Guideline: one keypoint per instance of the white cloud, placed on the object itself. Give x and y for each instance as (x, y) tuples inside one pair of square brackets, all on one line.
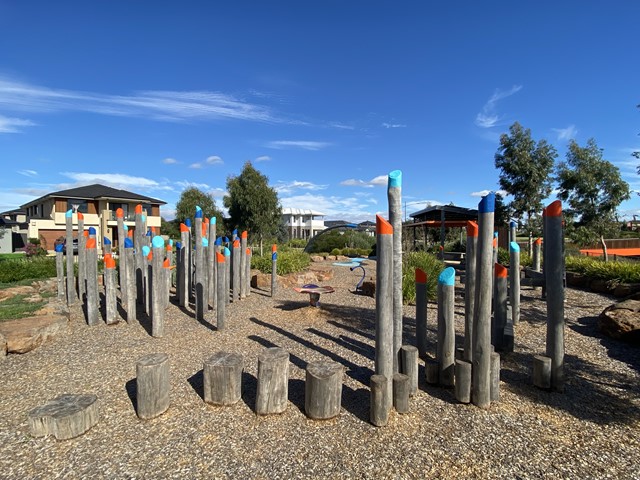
[(393, 125), (302, 144), (263, 158), (350, 209), (288, 187), (380, 180), (184, 184), (12, 125), (170, 161), (116, 180), (342, 126), (28, 173), (195, 165), (566, 133), (488, 117), (483, 193), (214, 160)]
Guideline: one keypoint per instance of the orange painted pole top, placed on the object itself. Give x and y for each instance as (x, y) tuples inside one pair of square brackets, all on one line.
[(383, 227), (80, 216), (166, 263), (119, 213), (236, 243), (495, 242), (85, 233), (219, 257), (472, 229), (421, 276), (538, 241), (501, 271), (248, 251), (274, 248), (554, 209), (91, 243), (184, 228), (138, 208), (109, 262), (244, 234)]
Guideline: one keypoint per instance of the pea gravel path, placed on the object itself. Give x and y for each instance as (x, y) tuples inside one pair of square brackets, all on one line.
[(590, 431)]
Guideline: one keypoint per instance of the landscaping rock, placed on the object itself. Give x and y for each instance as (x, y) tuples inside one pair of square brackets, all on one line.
[(626, 289), (261, 280), (601, 286), (621, 321), (25, 334), (317, 258), (322, 272), (577, 280)]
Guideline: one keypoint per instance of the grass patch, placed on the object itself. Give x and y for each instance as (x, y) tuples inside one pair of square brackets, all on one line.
[(16, 307)]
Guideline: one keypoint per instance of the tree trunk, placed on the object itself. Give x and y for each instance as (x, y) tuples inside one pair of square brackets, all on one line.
[(604, 249)]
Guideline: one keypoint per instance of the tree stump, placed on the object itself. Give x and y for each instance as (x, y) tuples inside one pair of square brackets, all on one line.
[(542, 371), (64, 417), (379, 414), (463, 381), (273, 381), (323, 390), (431, 368), (222, 374), (152, 372), (409, 366), (401, 388)]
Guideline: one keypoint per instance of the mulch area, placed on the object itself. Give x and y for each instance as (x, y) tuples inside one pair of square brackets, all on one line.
[(592, 430)]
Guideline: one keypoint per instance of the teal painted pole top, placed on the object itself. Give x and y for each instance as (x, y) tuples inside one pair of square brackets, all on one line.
[(227, 252), (145, 250), (213, 220), (514, 247), (447, 277), (69, 213), (171, 242), (157, 242), (143, 217), (395, 178), (205, 242), (126, 227)]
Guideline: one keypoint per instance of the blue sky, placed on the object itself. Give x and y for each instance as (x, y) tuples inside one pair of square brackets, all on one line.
[(325, 98)]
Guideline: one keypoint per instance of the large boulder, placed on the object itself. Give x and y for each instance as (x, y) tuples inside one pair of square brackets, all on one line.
[(25, 334), (622, 321)]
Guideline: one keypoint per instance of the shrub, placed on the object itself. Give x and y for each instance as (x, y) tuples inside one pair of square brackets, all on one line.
[(288, 262), (16, 269), (620, 272), (336, 251), (427, 262)]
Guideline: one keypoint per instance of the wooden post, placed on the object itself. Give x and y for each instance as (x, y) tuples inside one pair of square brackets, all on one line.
[(273, 381), (138, 243), (463, 381), (481, 382), (110, 287), (72, 297), (495, 376), (60, 272), (394, 196), (409, 366), (432, 371), (236, 270), (247, 275), (190, 258), (274, 269), (512, 231), (157, 287), (168, 270), (446, 326), (243, 264), (220, 302), (131, 280), (222, 374), (146, 278), (82, 259), (499, 307), (379, 411), (514, 281), (106, 246), (401, 392), (153, 386), (537, 246), (384, 306), (323, 389), (212, 263), (554, 270), (421, 312), (227, 276), (185, 268), (199, 267), (470, 288), (91, 305), (542, 371), (122, 261)]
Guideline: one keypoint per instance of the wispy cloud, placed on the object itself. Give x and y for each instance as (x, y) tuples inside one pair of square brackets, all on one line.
[(342, 126), (28, 173), (196, 165), (380, 180), (170, 161), (393, 125), (488, 117), (214, 160), (483, 193), (301, 144), (288, 187), (13, 125), (184, 184), (566, 133), (116, 180), (164, 105), (335, 207), (263, 158)]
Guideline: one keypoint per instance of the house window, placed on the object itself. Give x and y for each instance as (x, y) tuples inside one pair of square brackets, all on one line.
[(146, 207), (124, 206), (77, 205)]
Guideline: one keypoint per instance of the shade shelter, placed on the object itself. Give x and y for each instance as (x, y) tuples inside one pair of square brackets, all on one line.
[(443, 217)]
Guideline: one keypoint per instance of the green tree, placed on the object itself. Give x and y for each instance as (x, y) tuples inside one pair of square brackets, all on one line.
[(525, 170), (593, 188), (189, 198), (170, 228), (253, 205)]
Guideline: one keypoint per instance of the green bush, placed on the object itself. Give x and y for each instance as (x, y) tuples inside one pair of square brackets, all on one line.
[(297, 243), (336, 251), (620, 272), (290, 261), (427, 262), (16, 269)]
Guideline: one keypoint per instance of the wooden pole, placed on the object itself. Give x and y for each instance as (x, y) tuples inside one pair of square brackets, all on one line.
[(384, 306), (190, 257), (199, 266), (106, 246), (212, 264), (146, 279), (394, 195), (220, 301), (499, 307), (243, 264), (82, 260), (131, 280), (227, 276), (554, 268), (153, 385), (157, 287), (72, 297), (421, 312), (122, 261), (463, 381), (274, 270), (446, 327), (247, 275), (401, 392), (273, 381), (495, 376), (470, 288), (60, 272), (537, 245), (183, 276), (138, 243), (512, 231), (110, 288), (91, 305), (514, 281), (481, 384), (236, 268)]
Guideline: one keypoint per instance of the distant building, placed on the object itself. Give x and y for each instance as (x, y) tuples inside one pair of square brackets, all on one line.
[(301, 223), (14, 225), (98, 204)]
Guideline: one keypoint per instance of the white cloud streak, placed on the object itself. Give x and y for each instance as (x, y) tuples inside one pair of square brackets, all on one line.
[(263, 158), (488, 117), (13, 125), (28, 173), (288, 187), (393, 125), (483, 193), (380, 181), (566, 133), (116, 180), (214, 160), (170, 161), (297, 144)]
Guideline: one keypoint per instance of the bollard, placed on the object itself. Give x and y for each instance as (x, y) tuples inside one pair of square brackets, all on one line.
[(445, 354), (153, 386), (220, 293), (157, 287), (499, 307), (235, 262), (60, 272), (421, 312), (401, 392), (82, 259), (92, 302), (432, 371), (273, 381), (131, 280), (481, 382), (71, 279), (554, 270), (512, 231), (243, 264), (146, 279), (384, 306), (274, 269), (222, 378), (514, 281), (463, 381), (378, 410), (323, 389), (168, 270), (409, 366), (536, 254), (110, 287), (394, 195), (470, 288)]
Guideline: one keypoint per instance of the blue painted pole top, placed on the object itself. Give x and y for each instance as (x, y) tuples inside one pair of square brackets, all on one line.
[(495, 234), (128, 243), (198, 212), (395, 179), (148, 234), (69, 213), (145, 250), (218, 241), (187, 222), (447, 277), (514, 247), (225, 239), (512, 224), (178, 245), (227, 252), (274, 256), (92, 231), (59, 247), (157, 242), (106, 241), (488, 203)]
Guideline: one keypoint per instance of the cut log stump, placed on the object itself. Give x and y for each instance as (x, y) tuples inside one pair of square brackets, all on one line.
[(409, 366), (542, 371), (222, 375), (273, 381), (323, 390), (463, 381), (64, 417), (401, 389), (152, 372), (379, 414)]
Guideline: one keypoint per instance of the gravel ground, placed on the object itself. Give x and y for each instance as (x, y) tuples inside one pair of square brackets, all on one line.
[(590, 431)]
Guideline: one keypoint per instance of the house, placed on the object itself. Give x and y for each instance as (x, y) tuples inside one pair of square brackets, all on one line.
[(13, 224), (302, 223), (98, 204)]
